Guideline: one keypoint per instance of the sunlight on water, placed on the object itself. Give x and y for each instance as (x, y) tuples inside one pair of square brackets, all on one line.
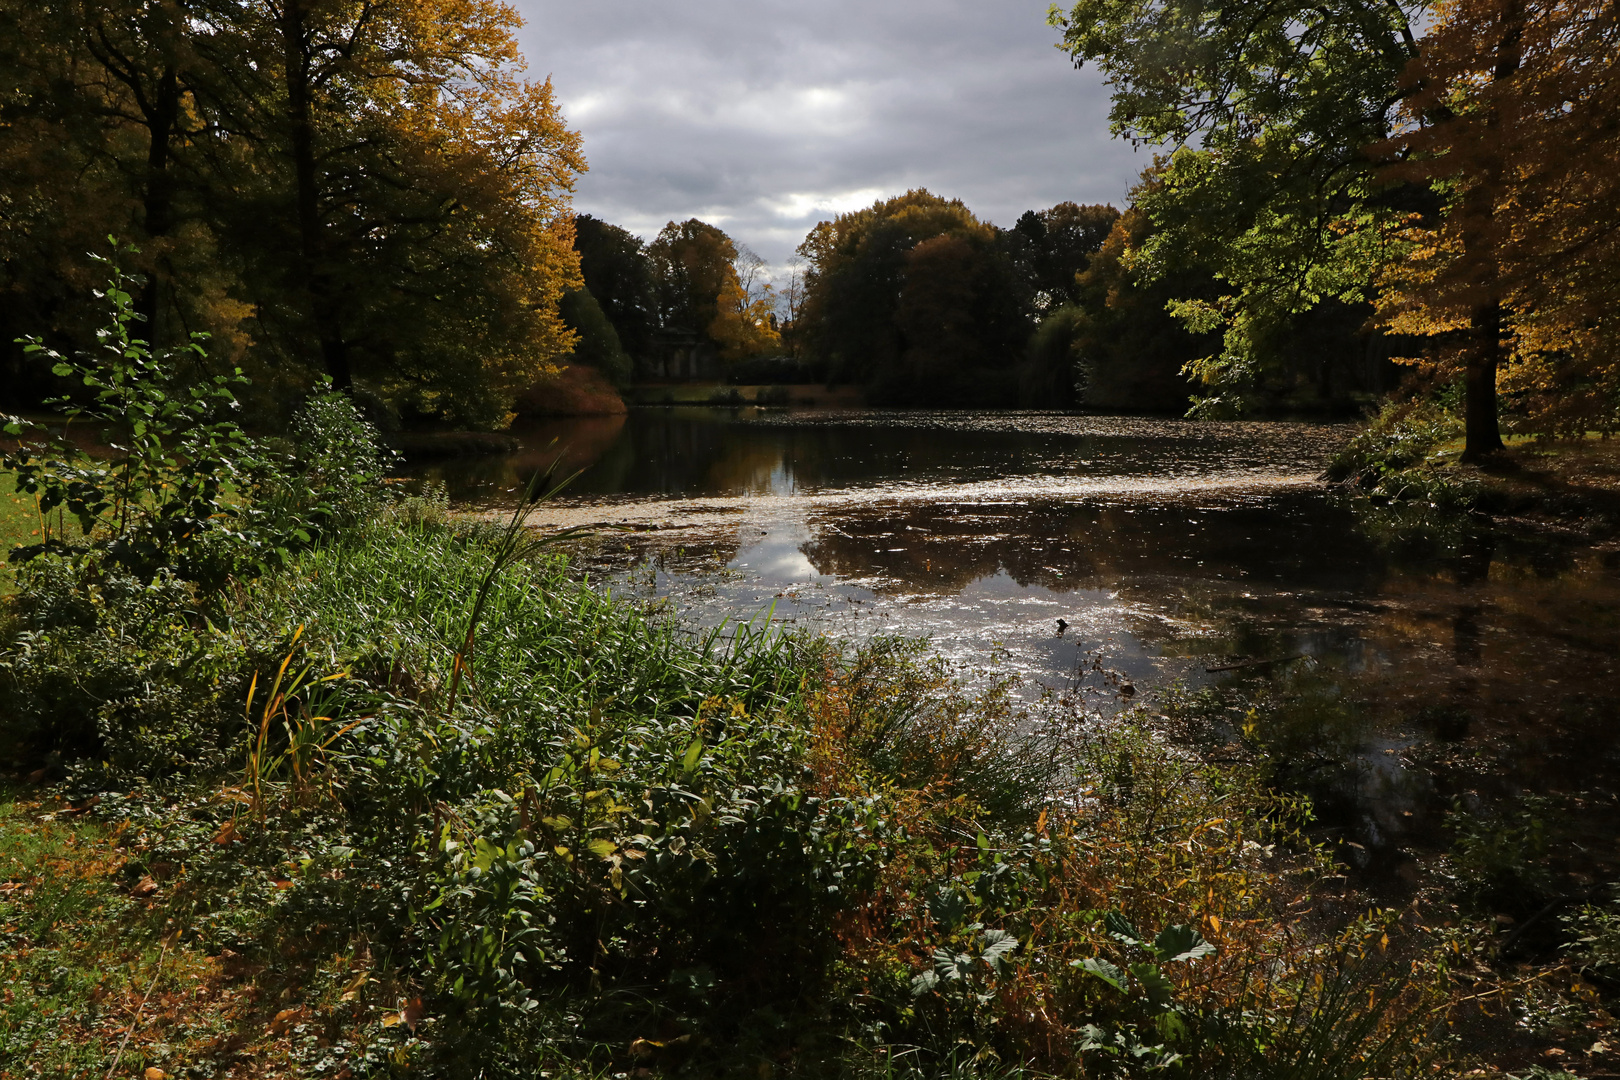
[(1167, 548)]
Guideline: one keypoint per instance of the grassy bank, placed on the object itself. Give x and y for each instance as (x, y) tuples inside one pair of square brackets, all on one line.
[(276, 833), (1410, 458)]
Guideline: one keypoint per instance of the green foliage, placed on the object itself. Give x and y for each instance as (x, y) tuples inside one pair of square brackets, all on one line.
[(598, 344), (161, 499), (917, 298), (1499, 862), (1053, 375), (1268, 113), (1594, 931), (620, 275)]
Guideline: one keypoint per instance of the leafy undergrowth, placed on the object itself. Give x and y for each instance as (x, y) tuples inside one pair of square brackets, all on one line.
[(1406, 470), (19, 524), (1514, 902), (625, 849)]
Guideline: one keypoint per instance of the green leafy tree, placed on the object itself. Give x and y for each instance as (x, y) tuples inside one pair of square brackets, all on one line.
[(619, 273), (917, 297), (597, 342), (1269, 110)]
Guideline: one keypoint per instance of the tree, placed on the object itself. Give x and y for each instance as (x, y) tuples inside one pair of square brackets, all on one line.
[(619, 274), (692, 263), (1513, 118), (596, 342), (1269, 110), (403, 192), (1051, 246), (742, 327), (369, 182), (918, 296)]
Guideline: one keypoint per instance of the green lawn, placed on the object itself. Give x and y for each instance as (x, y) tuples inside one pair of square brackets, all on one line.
[(19, 523)]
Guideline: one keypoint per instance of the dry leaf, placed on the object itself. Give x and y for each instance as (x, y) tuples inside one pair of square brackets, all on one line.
[(411, 1013), (226, 834), (154, 1073), (352, 991), (144, 887), (286, 1020)]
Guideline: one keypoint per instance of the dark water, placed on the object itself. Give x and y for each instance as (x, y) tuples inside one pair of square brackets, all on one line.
[(1467, 672)]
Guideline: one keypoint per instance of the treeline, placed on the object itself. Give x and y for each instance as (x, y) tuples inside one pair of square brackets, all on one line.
[(365, 189), (1441, 181), (914, 298)]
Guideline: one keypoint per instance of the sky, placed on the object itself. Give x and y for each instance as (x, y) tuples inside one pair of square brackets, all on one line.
[(764, 117)]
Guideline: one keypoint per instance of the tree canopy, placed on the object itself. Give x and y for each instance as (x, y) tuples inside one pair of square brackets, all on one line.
[(919, 296), (1268, 111), (371, 185)]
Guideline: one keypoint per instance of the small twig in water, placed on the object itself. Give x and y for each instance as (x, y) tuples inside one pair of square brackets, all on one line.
[(1255, 663)]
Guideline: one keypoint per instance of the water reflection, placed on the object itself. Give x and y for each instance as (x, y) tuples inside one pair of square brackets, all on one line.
[(1167, 548), (691, 452)]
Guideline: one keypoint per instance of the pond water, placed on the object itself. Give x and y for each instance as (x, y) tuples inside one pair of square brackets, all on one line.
[(1466, 675)]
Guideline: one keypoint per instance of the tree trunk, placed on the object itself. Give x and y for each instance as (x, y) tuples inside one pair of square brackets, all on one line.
[(158, 203), (1482, 435), (317, 278)]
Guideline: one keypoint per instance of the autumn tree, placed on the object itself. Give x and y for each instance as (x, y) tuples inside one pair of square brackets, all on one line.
[(1513, 117), (692, 263), (405, 192)]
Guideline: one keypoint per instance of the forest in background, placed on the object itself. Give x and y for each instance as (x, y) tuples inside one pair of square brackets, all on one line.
[(377, 194)]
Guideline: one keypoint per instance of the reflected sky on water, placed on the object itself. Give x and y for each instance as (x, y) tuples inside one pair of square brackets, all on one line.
[(1168, 548)]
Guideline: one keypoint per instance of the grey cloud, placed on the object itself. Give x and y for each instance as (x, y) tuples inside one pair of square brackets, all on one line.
[(765, 118)]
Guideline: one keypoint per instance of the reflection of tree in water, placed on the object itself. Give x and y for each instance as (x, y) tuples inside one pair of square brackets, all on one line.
[(1068, 546)]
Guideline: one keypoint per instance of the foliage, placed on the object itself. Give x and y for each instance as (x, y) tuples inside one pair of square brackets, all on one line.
[(1267, 112), (621, 845), (185, 492), (160, 501), (1051, 247), (619, 274), (1130, 351), (1593, 931), (374, 188), (598, 342), (916, 297), (692, 263), (1510, 111)]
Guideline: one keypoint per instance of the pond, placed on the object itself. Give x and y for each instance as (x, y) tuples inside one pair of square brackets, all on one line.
[(1171, 551)]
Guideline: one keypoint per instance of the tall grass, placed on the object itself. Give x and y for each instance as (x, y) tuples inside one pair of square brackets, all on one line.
[(618, 844)]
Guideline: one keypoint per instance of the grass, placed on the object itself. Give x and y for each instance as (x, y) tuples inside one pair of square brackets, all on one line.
[(625, 848), (19, 524)]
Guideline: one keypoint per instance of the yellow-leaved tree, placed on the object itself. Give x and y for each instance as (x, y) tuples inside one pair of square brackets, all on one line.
[(403, 190), (1519, 274)]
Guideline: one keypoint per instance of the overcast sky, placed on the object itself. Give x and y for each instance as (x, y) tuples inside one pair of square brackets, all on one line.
[(764, 116)]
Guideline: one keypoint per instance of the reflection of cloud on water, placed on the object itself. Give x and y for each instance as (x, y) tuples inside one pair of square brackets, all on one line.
[(777, 556)]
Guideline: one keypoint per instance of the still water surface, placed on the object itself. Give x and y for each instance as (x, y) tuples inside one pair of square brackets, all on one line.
[(1465, 674)]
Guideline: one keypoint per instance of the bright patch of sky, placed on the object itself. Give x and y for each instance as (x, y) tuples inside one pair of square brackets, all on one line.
[(764, 117)]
